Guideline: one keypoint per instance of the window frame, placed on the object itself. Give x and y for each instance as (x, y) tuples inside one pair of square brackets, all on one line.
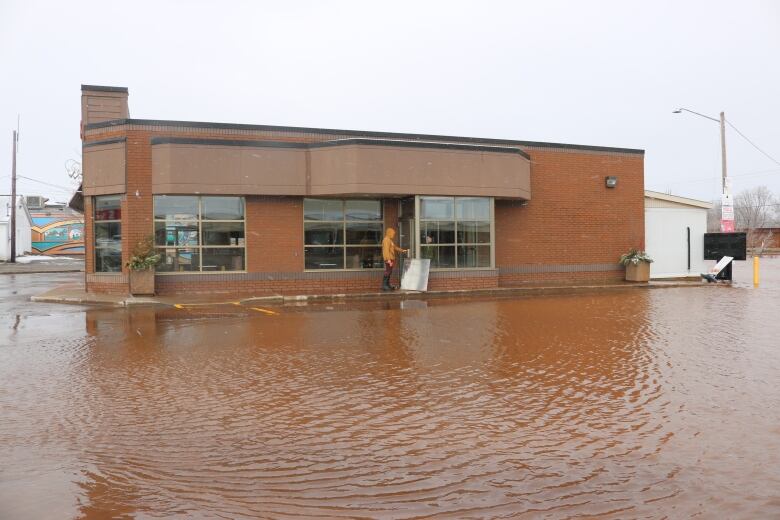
[(199, 221), (344, 245), (95, 222), (491, 243)]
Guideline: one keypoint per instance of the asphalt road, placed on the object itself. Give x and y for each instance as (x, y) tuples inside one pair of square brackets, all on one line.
[(16, 289), (55, 265)]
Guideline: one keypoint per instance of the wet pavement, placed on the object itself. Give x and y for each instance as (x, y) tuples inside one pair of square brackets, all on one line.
[(636, 404), (43, 264)]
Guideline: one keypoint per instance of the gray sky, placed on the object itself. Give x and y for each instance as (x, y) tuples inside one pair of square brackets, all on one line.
[(599, 73)]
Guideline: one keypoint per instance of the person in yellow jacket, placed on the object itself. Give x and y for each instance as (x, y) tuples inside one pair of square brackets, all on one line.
[(389, 249)]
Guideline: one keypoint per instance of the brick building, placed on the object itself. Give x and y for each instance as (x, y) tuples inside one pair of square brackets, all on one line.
[(255, 209)]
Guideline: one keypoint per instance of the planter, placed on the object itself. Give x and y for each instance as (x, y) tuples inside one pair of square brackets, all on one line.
[(639, 272), (142, 282)]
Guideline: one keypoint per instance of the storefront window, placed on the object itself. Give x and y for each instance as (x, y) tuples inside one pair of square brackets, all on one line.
[(199, 233), (108, 234), (342, 234), (455, 231)]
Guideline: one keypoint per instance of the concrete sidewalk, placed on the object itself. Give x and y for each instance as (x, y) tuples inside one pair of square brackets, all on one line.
[(74, 293)]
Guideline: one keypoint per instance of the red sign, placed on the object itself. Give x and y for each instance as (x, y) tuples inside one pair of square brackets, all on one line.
[(726, 226), (108, 214)]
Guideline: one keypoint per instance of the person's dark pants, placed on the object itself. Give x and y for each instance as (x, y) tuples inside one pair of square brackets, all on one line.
[(389, 264)]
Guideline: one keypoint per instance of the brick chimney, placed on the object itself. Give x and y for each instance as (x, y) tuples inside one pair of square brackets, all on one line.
[(100, 103)]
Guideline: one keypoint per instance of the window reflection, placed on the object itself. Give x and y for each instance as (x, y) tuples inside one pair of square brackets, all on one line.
[(342, 234), (456, 231), (107, 234), (199, 233)]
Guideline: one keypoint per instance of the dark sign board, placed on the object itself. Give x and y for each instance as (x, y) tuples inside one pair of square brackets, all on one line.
[(718, 245)]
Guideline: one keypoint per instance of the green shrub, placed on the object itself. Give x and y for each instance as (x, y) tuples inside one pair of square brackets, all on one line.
[(143, 257), (634, 257)]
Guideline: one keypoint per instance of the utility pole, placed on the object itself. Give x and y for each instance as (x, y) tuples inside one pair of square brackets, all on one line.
[(13, 200), (723, 148), (727, 203)]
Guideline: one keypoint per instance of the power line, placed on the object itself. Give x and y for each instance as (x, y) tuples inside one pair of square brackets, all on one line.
[(58, 190), (712, 179), (752, 143), (737, 206), (47, 183)]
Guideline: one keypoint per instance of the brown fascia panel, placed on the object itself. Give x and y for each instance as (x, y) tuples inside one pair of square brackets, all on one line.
[(104, 168), (237, 170), (337, 168)]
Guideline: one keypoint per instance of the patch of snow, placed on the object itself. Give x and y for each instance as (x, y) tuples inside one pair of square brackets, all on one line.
[(39, 258)]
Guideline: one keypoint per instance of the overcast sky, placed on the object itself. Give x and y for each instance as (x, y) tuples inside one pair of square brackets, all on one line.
[(597, 73)]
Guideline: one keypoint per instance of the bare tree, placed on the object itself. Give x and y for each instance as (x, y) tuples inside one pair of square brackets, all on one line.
[(754, 210), (761, 239), (776, 221), (713, 217)]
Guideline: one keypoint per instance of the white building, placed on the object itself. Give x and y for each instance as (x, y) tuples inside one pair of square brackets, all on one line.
[(674, 234), (23, 228)]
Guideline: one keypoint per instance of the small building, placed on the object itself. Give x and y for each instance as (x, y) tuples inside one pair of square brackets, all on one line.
[(764, 239), (237, 208), (57, 228), (23, 228), (674, 234)]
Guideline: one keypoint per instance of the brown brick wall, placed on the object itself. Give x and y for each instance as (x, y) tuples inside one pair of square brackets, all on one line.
[(89, 239), (266, 284), (137, 216), (577, 277), (274, 234), (572, 219)]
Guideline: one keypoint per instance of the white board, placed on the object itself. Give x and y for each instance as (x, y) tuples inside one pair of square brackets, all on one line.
[(415, 275), (727, 207), (722, 263)]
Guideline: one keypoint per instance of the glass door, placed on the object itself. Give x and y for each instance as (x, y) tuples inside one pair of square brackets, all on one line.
[(407, 232)]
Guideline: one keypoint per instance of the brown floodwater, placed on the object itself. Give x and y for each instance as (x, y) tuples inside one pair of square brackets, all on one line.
[(634, 404)]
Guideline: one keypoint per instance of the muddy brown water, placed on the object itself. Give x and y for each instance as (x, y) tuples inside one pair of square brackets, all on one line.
[(634, 404)]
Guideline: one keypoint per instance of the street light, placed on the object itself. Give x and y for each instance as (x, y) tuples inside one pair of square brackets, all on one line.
[(727, 208), (722, 122)]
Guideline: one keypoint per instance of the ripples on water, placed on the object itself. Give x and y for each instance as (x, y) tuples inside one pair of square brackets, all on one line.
[(643, 404)]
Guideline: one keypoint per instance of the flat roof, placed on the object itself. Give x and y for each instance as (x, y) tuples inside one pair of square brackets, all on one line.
[(677, 199), (325, 144), (359, 134), (103, 88)]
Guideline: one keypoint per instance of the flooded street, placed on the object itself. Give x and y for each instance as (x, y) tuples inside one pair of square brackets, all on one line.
[(630, 404)]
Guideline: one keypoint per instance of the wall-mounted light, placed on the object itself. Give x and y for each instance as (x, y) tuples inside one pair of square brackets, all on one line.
[(610, 181)]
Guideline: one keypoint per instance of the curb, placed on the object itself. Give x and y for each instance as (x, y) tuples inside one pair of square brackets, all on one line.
[(395, 295)]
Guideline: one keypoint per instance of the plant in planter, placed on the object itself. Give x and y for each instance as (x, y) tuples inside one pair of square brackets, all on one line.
[(637, 264), (141, 266)]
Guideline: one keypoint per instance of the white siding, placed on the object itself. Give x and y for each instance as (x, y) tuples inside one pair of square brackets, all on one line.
[(23, 230), (5, 242), (666, 240)]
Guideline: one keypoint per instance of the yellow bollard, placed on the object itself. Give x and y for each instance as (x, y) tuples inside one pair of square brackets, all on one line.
[(755, 271)]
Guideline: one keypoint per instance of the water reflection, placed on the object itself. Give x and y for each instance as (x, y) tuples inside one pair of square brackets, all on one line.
[(612, 404), (380, 411)]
